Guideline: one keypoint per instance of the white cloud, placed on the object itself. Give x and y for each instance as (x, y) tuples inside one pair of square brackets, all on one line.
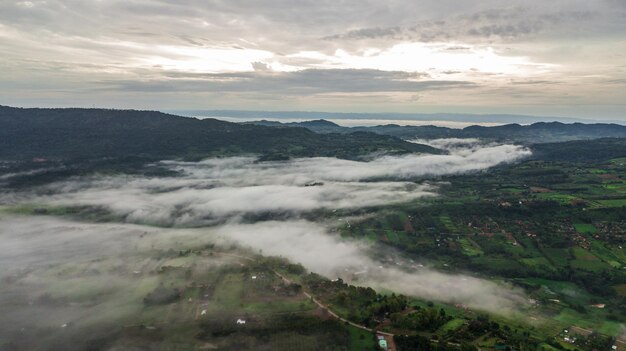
[(33, 245), (217, 188), (309, 244)]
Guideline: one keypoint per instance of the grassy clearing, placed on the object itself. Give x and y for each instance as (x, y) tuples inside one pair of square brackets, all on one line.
[(571, 317), (594, 320), (582, 254), (559, 257), (584, 228), (514, 190), (392, 236), (592, 266), (229, 291), (619, 161), (561, 198), (280, 306), (447, 223), (361, 339), (469, 248), (617, 187), (571, 291), (612, 203), (606, 254), (537, 262), (587, 261), (452, 325)]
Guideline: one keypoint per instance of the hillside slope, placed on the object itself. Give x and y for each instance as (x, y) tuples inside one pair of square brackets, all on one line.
[(90, 133), (540, 132)]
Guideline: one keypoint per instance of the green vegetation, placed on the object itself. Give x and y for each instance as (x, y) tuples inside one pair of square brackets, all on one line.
[(540, 132), (584, 228), (42, 134), (361, 339), (555, 229)]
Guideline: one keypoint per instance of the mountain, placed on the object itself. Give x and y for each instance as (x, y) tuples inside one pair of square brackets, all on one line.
[(548, 132), (454, 117), (535, 133), (91, 133), (587, 151)]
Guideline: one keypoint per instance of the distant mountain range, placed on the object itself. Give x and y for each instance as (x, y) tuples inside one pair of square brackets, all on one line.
[(27, 133), (449, 117), (33, 133), (541, 132)]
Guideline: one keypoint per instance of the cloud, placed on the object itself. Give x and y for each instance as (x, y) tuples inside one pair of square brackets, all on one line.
[(66, 285), (305, 82), (121, 54), (306, 242), (34, 245), (214, 189), (506, 24)]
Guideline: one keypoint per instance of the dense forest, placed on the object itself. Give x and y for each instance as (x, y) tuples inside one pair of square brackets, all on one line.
[(91, 133)]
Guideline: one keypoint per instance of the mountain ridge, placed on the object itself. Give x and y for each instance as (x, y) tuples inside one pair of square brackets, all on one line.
[(90, 133), (533, 133)]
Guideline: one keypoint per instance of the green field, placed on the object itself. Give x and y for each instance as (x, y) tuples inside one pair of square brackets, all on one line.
[(537, 262), (361, 339), (452, 325), (447, 223), (469, 248), (612, 203), (280, 306), (607, 255), (560, 257), (229, 292), (594, 320), (584, 228), (562, 198)]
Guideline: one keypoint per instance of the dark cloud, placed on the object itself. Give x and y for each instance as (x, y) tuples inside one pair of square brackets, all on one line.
[(505, 23), (368, 33)]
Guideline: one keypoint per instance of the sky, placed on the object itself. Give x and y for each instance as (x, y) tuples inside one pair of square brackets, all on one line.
[(551, 58)]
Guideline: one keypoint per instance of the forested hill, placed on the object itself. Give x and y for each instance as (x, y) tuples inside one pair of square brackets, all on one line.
[(91, 133), (589, 151), (540, 132)]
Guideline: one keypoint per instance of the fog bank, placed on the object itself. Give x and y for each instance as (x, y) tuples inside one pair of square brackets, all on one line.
[(215, 195), (32, 246), (216, 189)]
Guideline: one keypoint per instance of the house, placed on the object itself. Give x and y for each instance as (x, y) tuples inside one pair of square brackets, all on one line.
[(382, 343), (241, 321)]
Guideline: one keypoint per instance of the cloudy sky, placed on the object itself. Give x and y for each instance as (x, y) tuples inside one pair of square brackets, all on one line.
[(558, 57)]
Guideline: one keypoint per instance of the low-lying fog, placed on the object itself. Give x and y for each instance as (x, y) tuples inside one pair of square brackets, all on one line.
[(214, 195), (215, 189)]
